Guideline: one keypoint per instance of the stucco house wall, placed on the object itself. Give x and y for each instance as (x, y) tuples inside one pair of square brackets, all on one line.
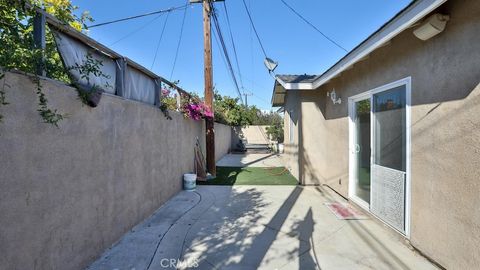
[(445, 132), (68, 193)]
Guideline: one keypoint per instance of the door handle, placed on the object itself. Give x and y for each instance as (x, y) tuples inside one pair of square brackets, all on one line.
[(357, 148)]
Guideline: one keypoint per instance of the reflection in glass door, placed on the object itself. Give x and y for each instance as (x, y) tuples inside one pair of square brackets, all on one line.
[(361, 149), (389, 156)]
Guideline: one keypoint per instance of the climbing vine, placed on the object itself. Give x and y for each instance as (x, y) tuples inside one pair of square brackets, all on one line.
[(90, 66), (17, 50), (50, 116)]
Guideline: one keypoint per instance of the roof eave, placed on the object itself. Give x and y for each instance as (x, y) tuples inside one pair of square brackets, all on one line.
[(405, 19), (399, 23)]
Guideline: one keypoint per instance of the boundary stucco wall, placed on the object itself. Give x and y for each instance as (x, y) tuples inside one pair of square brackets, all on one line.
[(68, 193), (223, 140), (445, 158)]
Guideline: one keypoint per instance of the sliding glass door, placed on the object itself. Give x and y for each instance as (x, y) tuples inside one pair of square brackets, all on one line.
[(379, 149)]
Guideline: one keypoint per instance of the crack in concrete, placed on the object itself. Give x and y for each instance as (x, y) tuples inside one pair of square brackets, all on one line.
[(170, 227), (188, 231)]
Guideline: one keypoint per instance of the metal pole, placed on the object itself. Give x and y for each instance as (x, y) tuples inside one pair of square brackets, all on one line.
[(209, 124), (39, 25), (121, 69)]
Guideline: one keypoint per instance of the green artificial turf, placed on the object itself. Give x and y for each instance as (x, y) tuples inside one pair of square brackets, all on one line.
[(252, 176)]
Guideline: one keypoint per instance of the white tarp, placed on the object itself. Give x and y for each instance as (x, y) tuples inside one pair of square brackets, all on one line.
[(139, 86), (74, 52)]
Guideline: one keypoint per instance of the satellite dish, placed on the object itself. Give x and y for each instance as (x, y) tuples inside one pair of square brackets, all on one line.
[(270, 64)]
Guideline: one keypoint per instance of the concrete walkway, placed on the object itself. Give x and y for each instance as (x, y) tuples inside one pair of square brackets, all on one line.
[(251, 160), (251, 227)]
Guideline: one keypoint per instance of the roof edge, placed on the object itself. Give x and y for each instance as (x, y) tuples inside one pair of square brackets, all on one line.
[(411, 14)]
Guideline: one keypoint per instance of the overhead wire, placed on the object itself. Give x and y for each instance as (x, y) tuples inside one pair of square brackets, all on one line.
[(160, 40), (233, 44), (225, 51), (252, 60), (262, 99), (255, 95), (221, 53), (254, 29), (135, 30), (139, 16), (179, 42), (313, 26), (219, 38)]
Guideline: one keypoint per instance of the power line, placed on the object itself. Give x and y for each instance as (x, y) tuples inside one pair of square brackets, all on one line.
[(313, 26), (179, 42), (252, 60), (221, 53), (254, 29), (139, 16), (233, 43), (219, 47), (160, 40), (225, 51), (262, 99), (136, 30)]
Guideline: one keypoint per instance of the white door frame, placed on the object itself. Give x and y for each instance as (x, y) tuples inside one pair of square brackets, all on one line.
[(351, 160), (352, 157)]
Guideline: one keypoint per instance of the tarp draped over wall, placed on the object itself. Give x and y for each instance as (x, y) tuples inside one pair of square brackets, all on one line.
[(136, 85), (74, 52), (139, 86)]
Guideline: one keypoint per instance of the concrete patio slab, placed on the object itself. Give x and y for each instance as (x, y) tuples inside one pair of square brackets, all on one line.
[(258, 227), (251, 160)]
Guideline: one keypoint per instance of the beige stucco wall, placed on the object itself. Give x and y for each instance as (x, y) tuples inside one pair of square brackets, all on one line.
[(445, 158), (223, 140), (68, 193)]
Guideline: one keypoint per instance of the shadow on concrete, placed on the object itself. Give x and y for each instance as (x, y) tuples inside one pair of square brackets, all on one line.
[(303, 230), (236, 240), (256, 253)]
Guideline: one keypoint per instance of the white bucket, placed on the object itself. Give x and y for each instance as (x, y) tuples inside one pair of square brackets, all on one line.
[(280, 148), (189, 181)]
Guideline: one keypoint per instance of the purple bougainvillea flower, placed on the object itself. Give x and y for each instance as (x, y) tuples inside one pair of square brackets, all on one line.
[(197, 111), (165, 92)]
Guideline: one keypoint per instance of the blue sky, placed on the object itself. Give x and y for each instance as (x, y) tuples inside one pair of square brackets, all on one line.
[(287, 39)]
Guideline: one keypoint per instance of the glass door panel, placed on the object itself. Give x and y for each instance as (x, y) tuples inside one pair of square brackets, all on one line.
[(390, 128), (362, 150), (389, 156)]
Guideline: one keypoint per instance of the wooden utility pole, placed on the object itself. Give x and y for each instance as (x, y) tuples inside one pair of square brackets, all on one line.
[(208, 72)]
